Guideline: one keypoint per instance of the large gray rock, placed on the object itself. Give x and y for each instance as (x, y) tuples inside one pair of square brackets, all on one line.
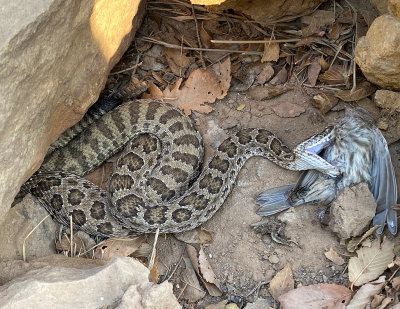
[(55, 56), (88, 287), (23, 221)]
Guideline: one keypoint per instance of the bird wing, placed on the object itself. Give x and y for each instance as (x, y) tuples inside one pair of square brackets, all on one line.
[(383, 186)]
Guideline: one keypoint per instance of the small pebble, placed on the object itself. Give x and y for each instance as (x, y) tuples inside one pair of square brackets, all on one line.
[(273, 259)]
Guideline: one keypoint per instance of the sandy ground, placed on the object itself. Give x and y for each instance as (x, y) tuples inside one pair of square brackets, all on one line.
[(241, 258)]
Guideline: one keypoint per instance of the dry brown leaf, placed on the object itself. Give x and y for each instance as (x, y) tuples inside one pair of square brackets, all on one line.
[(323, 17), (366, 293), (177, 61), (324, 102), (153, 93), (307, 41), (334, 75), (377, 300), (193, 291), (324, 65), (260, 93), (386, 302), (335, 31), (281, 77), (206, 269), (78, 246), (362, 91), (282, 282), (356, 241), (395, 283), (205, 37), (202, 86), (322, 295), (158, 78), (196, 236), (333, 256), (313, 71), (212, 288), (122, 247), (370, 262), (271, 51)]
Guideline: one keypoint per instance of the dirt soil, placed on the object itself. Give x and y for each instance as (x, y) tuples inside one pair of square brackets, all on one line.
[(241, 258)]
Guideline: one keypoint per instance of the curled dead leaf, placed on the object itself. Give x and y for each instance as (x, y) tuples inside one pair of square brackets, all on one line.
[(192, 288), (202, 86), (64, 244), (334, 75), (260, 93), (356, 241), (206, 269), (362, 91), (281, 77), (282, 282), (196, 236), (313, 71), (334, 257), (122, 247), (212, 288), (316, 296), (366, 294), (271, 51)]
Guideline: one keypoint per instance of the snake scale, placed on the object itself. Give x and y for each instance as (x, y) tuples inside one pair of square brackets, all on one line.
[(158, 181)]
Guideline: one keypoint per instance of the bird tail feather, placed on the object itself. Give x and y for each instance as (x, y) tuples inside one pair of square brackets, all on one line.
[(274, 200)]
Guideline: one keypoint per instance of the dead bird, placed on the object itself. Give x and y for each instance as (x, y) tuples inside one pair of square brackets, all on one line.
[(359, 150)]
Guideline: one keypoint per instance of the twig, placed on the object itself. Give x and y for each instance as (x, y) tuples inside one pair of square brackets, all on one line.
[(71, 231), (257, 288), (203, 64), (336, 54), (153, 252), (202, 49), (29, 234), (183, 290), (134, 67), (254, 41), (175, 268)]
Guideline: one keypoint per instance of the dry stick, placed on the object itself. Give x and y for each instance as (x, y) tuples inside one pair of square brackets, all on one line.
[(134, 67), (29, 234), (203, 64), (153, 252), (353, 44), (254, 41), (176, 267), (257, 289), (183, 290), (71, 231), (336, 54), (202, 49)]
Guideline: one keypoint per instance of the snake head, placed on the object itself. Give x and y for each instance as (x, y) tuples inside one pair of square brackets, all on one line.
[(308, 153)]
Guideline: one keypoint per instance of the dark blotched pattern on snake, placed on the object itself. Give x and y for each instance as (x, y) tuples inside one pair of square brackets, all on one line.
[(156, 181)]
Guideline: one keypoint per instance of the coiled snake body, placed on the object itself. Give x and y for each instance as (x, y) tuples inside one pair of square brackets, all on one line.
[(154, 183)]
